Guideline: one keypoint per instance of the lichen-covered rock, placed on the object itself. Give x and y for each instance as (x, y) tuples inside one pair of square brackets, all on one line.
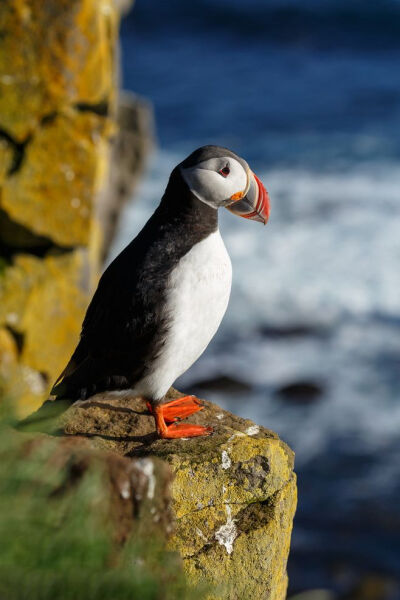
[(54, 54), (43, 301), (18, 381), (54, 191), (130, 149), (234, 493), (58, 121), (58, 95), (6, 158)]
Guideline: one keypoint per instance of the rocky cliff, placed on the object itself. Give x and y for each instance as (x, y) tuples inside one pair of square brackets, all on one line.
[(233, 493), (61, 126)]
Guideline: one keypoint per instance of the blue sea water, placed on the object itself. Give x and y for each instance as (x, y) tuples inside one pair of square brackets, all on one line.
[(309, 93)]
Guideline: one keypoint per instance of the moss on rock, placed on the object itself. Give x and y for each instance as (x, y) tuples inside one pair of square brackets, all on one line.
[(74, 518)]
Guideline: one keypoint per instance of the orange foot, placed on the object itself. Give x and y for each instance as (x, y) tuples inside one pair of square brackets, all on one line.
[(177, 431), (178, 409)]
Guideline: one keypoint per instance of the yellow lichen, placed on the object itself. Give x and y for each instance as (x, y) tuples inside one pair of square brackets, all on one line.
[(54, 191), (233, 493), (6, 158), (45, 301), (54, 54), (254, 565), (57, 113), (21, 385), (234, 511)]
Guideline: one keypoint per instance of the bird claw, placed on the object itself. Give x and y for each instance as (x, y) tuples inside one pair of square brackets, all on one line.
[(175, 431), (182, 407), (178, 409)]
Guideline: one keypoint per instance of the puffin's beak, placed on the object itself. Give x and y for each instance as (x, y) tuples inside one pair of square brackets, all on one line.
[(253, 203)]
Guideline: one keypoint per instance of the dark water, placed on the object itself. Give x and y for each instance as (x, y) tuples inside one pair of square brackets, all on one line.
[(309, 94)]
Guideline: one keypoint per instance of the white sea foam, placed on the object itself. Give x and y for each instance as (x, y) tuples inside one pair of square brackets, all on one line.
[(329, 256), (332, 244)]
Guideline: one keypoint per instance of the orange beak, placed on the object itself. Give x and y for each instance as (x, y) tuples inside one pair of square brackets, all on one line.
[(254, 203)]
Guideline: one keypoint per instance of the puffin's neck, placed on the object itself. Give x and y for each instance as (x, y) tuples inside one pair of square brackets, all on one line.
[(180, 207)]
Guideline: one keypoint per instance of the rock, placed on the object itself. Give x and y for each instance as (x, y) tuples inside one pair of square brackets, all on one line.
[(77, 518), (53, 193), (43, 301), (135, 493), (17, 380), (58, 119), (130, 150), (234, 493), (139, 497), (15, 237), (292, 331), (222, 383), (54, 56), (301, 392), (6, 157)]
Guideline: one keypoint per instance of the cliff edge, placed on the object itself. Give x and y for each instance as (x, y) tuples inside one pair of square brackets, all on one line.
[(233, 493)]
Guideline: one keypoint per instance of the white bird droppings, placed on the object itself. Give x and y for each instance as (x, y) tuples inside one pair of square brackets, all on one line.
[(227, 534), (125, 490), (146, 464), (226, 461), (253, 430)]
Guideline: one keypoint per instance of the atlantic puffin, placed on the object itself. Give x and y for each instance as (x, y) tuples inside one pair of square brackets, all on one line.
[(160, 302)]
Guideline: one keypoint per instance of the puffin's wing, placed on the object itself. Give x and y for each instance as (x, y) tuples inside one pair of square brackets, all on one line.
[(118, 333)]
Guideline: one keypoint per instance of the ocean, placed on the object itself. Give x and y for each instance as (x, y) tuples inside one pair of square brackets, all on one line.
[(309, 94)]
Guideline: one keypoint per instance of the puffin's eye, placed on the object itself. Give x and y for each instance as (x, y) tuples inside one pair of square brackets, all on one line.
[(225, 171)]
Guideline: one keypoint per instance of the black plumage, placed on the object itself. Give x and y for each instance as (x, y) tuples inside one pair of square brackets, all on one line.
[(160, 302), (126, 322)]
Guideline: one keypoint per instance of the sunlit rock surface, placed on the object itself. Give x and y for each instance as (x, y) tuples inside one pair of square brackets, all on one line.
[(54, 54), (59, 205), (54, 191), (42, 301), (234, 493)]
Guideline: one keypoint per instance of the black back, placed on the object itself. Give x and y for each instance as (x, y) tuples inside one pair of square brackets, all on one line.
[(126, 322)]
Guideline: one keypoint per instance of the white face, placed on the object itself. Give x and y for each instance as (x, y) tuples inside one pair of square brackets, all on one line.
[(217, 181)]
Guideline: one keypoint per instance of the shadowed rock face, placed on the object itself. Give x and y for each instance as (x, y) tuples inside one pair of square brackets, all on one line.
[(234, 493)]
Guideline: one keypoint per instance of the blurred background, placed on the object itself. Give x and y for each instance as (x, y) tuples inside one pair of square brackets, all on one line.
[(309, 94)]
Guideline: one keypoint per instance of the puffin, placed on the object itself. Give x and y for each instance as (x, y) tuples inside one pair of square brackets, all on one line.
[(160, 302)]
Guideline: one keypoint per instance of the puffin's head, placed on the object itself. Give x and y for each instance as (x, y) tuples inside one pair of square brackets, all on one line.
[(219, 177)]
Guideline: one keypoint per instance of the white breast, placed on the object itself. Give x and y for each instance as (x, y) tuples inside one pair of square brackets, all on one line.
[(197, 298)]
